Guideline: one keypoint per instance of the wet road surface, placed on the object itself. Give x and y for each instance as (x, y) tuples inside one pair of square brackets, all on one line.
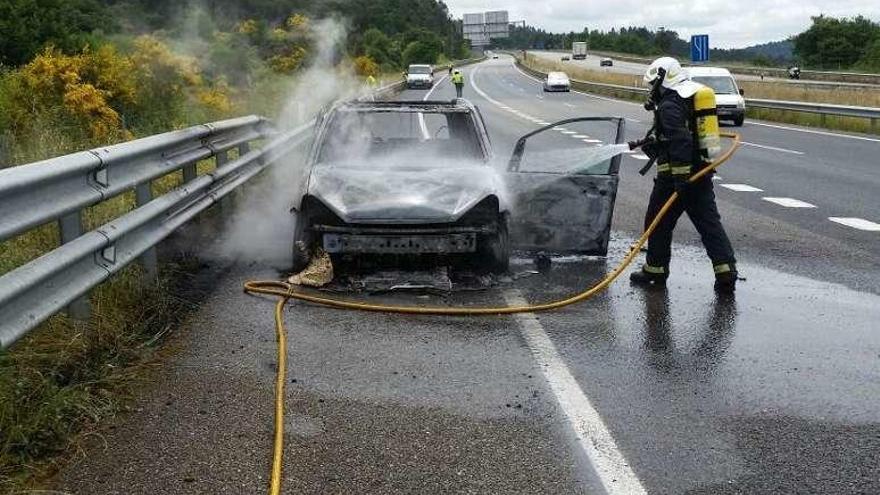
[(678, 391)]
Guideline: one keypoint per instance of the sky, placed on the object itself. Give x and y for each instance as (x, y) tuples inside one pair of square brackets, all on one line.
[(729, 23)]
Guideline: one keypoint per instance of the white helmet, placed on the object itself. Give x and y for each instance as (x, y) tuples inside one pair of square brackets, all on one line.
[(674, 73)]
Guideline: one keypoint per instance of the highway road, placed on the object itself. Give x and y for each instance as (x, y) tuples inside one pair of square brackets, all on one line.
[(676, 391), (637, 69)]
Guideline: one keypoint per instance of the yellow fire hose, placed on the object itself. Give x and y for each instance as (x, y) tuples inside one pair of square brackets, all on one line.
[(285, 292)]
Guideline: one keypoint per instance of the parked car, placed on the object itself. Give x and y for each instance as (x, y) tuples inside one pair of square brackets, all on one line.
[(557, 81), (606, 62), (728, 97), (420, 76)]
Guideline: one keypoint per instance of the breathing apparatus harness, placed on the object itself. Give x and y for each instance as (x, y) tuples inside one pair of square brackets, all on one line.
[(648, 144)]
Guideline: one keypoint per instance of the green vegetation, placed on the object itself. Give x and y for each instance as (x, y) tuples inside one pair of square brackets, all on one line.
[(76, 74), (838, 44)]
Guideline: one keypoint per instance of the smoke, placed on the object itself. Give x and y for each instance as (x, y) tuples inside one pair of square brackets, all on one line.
[(261, 227)]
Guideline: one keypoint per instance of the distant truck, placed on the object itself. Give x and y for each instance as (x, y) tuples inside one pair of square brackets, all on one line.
[(579, 50)]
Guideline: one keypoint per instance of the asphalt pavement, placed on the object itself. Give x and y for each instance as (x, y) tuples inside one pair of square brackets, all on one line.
[(678, 391)]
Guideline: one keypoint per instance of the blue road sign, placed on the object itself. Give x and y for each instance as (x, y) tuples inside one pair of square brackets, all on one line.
[(700, 48)]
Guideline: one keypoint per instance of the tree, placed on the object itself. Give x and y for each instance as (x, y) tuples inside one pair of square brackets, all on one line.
[(27, 26), (835, 43), (420, 52)]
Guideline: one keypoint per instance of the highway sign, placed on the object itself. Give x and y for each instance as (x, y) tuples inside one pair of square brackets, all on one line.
[(700, 48)]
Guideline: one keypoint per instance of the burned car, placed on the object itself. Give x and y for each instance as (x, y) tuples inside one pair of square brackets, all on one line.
[(403, 178), (415, 178)]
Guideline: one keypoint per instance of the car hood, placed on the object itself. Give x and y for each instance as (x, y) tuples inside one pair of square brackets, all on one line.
[(557, 80), (358, 193)]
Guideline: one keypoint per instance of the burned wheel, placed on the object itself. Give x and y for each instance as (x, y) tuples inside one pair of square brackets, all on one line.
[(493, 250), (303, 241)]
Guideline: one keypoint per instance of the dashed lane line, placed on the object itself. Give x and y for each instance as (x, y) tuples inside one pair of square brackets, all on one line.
[(789, 202), (772, 148), (741, 188), (593, 437), (857, 223)]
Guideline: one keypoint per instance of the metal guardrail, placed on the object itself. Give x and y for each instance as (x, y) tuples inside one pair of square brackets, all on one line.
[(780, 73), (823, 109), (58, 190)]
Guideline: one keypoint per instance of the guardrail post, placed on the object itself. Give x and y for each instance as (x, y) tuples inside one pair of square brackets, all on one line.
[(823, 118), (150, 259), (71, 227), (222, 158), (875, 126), (243, 149), (189, 173)]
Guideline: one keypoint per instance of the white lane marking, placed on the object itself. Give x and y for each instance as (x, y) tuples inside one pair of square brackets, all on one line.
[(857, 223), (560, 129), (569, 132), (640, 157), (741, 188), (581, 136), (593, 436), (591, 140), (422, 125), (790, 202), (772, 148), (569, 105), (810, 131), (544, 123), (637, 121)]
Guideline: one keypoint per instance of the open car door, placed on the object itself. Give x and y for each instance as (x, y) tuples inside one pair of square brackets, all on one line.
[(563, 180)]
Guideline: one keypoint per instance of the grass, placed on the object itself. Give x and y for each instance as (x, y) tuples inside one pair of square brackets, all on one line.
[(839, 95), (63, 379), (60, 382)]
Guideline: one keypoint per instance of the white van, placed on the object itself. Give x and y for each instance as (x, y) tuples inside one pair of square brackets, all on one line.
[(728, 97)]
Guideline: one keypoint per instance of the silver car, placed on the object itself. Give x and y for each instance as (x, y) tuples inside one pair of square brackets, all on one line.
[(557, 81)]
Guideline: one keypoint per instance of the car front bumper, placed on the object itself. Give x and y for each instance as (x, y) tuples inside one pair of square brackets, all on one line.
[(731, 112)]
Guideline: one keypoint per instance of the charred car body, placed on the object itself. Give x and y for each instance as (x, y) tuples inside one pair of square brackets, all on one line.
[(380, 183), (417, 178)]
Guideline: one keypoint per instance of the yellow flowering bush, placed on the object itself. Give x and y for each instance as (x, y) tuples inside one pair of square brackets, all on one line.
[(365, 66), (83, 88)]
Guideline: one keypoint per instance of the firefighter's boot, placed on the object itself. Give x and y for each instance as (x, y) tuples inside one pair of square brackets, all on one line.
[(650, 276), (725, 278)]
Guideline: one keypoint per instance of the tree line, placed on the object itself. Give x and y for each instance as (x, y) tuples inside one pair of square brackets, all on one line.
[(27, 26), (829, 43)]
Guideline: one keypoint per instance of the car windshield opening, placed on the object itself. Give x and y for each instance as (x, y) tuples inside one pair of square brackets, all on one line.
[(358, 137), (417, 69), (722, 85)]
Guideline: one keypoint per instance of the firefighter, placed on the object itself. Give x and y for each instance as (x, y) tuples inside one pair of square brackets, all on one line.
[(372, 83), (684, 139), (458, 81)]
